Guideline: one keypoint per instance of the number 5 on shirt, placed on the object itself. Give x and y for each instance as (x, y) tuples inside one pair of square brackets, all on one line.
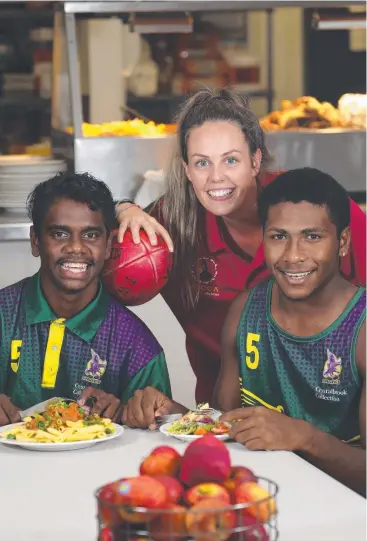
[(15, 354), (253, 355)]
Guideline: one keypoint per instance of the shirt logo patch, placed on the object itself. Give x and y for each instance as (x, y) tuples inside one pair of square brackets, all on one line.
[(332, 369), (205, 270), (95, 369)]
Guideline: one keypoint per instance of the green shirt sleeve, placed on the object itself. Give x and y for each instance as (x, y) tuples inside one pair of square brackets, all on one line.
[(154, 374)]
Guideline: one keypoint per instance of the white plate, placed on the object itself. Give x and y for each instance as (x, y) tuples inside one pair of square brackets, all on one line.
[(65, 446), (188, 437)]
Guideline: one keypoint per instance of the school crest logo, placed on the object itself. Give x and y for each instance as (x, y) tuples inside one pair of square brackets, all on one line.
[(205, 270), (332, 369), (95, 369)]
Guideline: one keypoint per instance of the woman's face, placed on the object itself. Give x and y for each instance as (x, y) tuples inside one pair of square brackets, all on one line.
[(220, 167)]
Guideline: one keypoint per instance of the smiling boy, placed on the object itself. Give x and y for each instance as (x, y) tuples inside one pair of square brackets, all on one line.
[(297, 343), (61, 334)]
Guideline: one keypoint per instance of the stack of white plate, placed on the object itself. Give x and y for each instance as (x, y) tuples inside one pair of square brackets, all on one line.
[(18, 176)]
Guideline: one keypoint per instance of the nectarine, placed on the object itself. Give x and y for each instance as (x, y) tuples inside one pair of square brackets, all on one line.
[(141, 491), (252, 493), (166, 449), (161, 464), (248, 529), (173, 487), (207, 521), (205, 491), (107, 511), (105, 534), (169, 526), (238, 474)]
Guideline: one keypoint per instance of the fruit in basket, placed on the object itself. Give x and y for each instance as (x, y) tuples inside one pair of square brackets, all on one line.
[(165, 449), (205, 491), (251, 493), (239, 474), (207, 521), (169, 526), (107, 513), (141, 491), (205, 460), (161, 464), (249, 529), (136, 273), (173, 487), (106, 534)]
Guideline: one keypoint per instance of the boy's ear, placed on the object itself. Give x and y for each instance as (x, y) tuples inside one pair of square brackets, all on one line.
[(34, 242)]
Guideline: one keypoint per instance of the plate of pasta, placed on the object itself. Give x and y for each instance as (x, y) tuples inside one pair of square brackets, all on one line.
[(61, 427)]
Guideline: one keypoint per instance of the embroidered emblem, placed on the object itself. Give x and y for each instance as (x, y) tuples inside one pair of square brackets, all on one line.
[(332, 369), (95, 369)]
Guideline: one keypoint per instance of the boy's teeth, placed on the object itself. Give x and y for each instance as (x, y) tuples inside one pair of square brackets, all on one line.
[(220, 193), (75, 267), (298, 275)]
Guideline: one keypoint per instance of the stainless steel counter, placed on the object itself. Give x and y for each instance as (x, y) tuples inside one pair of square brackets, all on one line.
[(14, 226)]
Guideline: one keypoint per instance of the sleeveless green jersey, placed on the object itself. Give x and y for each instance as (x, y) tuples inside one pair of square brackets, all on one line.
[(311, 378)]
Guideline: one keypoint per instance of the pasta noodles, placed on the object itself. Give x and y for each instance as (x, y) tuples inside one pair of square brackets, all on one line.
[(60, 423)]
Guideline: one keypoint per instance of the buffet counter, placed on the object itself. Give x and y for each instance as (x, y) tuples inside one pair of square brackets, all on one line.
[(14, 227)]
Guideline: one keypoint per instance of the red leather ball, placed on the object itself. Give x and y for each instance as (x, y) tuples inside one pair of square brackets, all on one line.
[(135, 273)]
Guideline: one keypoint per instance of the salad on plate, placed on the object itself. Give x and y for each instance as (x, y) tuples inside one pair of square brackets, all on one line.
[(199, 422)]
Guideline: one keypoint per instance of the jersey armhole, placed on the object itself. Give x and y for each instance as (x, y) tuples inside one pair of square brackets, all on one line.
[(353, 364), (242, 319)]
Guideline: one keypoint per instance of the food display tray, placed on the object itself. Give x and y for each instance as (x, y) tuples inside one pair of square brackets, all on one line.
[(339, 152)]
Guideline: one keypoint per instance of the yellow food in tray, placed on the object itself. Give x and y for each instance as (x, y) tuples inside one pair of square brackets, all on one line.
[(60, 423), (120, 128), (305, 112)]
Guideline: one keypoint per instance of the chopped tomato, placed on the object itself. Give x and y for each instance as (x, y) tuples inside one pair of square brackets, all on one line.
[(220, 428)]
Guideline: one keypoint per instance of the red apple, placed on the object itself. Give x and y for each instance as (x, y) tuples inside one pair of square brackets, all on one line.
[(161, 464), (252, 493), (239, 474), (173, 487), (207, 520), (141, 491), (169, 526), (205, 491), (205, 460)]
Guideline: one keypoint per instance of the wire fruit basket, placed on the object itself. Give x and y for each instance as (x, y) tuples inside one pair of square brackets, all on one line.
[(250, 521)]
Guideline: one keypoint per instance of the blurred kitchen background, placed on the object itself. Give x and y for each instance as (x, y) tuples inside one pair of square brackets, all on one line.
[(93, 86)]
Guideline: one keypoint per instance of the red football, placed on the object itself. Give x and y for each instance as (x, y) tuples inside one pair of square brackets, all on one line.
[(135, 273)]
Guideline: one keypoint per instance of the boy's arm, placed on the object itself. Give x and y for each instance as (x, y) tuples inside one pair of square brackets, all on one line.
[(262, 428), (148, 395), (343, 461), (154, 374), (227, 396)]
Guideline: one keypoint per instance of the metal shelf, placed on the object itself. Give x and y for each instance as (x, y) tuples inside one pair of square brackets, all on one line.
[(110, 7), (28, 14), (25, 101)]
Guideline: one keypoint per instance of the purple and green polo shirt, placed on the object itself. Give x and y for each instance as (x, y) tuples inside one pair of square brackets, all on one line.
[(104, 346)]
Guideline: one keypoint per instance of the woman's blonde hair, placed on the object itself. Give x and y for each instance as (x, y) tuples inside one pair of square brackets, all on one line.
[(181, 212)]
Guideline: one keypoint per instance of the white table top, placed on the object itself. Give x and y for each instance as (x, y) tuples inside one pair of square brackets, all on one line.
[(50, 496)]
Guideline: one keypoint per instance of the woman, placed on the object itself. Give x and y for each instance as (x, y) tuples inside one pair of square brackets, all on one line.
[(209, 211)]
